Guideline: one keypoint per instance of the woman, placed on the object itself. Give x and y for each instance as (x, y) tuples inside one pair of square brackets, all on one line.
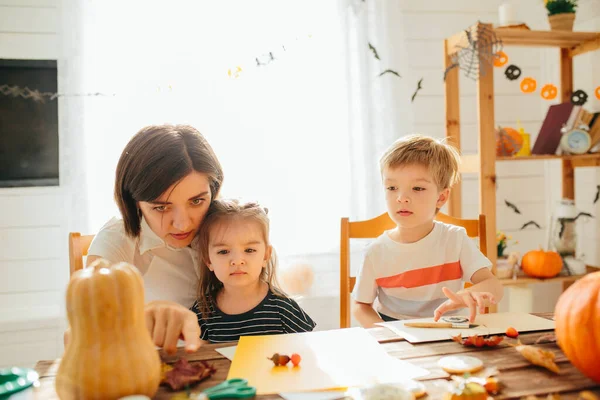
[(166, 178)]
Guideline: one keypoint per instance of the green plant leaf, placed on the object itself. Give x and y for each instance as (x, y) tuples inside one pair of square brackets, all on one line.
[(561, 6)]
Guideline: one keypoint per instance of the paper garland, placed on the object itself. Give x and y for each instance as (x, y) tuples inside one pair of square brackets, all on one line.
[(529, 84)]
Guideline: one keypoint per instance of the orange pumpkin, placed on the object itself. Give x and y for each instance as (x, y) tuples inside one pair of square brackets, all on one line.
[(577, 316), (110, 353), (528, 85), (500, 58), (597, 92), (549, 92), (508, 141), (542, 264)]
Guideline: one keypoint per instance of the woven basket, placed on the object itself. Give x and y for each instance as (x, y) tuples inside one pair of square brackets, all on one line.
[(562, 22)]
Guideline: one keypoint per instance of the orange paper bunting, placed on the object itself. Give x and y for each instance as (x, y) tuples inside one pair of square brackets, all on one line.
[(549, 92), (528, 85), (500, 58)]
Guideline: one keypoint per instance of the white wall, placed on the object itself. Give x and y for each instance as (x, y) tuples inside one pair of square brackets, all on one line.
[(33, 239)]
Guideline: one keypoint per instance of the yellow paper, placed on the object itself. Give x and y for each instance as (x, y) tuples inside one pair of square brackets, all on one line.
[(330, 359)]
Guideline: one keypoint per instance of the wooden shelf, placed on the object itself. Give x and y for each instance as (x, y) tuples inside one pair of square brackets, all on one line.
[(526, 280), (470, 162), (576, 42), (570, 44)]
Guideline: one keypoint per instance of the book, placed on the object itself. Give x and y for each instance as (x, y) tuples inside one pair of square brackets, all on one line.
[(548, 138)]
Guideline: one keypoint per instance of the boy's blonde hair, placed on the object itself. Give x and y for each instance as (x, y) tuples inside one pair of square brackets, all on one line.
[(441, 158), (223, 211)]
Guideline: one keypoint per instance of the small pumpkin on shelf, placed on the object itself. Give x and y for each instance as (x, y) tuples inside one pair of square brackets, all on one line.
[(577, 314), (542, 264), (508, 141), (110, 353)]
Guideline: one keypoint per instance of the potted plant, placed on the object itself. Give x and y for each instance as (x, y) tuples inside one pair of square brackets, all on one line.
[(504, 265), (561, 14)]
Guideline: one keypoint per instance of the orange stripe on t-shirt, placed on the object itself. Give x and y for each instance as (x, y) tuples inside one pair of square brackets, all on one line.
[(423, 276)]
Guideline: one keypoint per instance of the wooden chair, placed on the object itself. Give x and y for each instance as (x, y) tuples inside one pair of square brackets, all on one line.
[(375, 227), (78, 248)]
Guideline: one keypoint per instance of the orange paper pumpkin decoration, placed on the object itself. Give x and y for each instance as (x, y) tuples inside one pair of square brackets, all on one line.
[(542, 264), (597, 92), (528, 85), (549, 92), (500, 58), (577, 316), (508, 141)]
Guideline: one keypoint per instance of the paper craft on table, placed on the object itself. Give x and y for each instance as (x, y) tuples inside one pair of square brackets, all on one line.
[(335, 359), (227, 352), (493, 323)]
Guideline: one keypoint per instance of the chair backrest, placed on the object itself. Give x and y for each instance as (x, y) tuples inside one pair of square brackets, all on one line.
[(373, 228), (78, 248)]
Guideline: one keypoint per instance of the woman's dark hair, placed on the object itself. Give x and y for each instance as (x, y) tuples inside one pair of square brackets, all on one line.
[(154, 159)]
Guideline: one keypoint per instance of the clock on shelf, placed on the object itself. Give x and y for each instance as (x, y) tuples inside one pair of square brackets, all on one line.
[(575, 140)]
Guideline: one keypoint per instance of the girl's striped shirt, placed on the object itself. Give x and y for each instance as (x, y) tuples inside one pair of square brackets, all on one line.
[(273, 315)]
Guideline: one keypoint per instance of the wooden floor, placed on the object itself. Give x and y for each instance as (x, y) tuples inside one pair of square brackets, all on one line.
[(518, 376)]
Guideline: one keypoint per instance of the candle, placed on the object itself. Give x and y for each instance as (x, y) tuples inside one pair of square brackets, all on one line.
[(506, 14)]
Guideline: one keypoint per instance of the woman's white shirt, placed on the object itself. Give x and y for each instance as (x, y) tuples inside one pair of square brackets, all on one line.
[(169, 273)]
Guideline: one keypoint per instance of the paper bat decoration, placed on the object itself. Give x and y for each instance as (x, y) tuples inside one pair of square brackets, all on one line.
[(390, 71), (419, 87), (597, 194), (269, 56), (526, 224), (374, 50), (512, 206)]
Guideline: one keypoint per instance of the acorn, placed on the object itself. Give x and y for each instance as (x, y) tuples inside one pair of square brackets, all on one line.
[(283, 360), (275, 358)]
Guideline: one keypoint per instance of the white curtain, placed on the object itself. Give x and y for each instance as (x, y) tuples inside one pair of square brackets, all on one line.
[(280, 129), (380, 106)]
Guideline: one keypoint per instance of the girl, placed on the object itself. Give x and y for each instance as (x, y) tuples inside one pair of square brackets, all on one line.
[(166, 178), (238, 294)]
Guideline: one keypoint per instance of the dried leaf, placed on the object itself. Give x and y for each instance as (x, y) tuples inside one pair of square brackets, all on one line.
[(537, 356), (478, 341), (587, 395), (183, 374), (547, 338), (164, 368)]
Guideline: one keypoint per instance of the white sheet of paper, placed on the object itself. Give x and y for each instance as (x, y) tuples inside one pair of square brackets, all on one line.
[(493, 323), (227, 352)]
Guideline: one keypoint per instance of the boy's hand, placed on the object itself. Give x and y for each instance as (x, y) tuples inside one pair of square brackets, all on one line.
[(472, 300)]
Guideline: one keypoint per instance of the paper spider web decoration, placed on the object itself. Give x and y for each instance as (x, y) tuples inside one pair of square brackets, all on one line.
[(477, 54)]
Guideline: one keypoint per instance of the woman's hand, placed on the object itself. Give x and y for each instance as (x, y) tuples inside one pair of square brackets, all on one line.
[(464, 299), (167, 321)]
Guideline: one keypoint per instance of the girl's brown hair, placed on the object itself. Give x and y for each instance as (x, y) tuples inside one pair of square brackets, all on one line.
[(223, 211), (157, 157)]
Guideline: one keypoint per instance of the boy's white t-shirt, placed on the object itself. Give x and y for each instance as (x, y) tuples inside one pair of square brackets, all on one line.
[(169, 273), (407, 278)]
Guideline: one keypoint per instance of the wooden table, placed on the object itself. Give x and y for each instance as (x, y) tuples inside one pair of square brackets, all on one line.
[(518, 376)]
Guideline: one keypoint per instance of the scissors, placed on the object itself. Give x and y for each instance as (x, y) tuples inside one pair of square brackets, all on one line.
[(235, 388)]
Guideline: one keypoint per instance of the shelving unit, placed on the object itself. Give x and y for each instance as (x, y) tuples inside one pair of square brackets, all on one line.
[(571, 44)]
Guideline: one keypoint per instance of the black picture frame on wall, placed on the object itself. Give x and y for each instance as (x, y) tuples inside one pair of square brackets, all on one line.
[(29, 151)]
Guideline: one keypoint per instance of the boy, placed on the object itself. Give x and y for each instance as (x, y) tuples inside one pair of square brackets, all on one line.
[(418, 268)]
